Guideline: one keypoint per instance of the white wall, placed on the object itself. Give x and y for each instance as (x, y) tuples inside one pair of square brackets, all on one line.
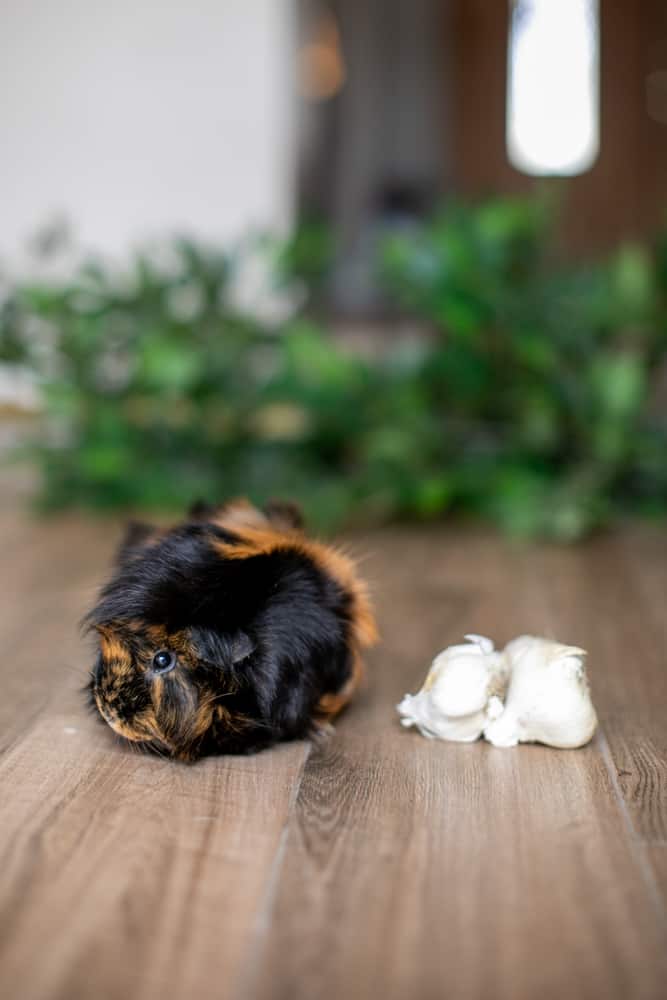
[(133, 118)]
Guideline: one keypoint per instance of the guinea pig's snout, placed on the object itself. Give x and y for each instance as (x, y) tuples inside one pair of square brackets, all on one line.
[(123, 703), (160, 706), (115, 718)]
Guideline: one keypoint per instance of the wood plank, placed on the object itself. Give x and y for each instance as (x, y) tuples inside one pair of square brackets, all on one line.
[(47, 584), (632, 161), (417, 868), (128, 872), (380, 865), (132, 876), (658, 861), (607, 596)]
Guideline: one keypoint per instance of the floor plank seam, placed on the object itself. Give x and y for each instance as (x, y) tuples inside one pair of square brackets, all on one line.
[(637, 846), (360, 864), (29, 725), (265, 908)]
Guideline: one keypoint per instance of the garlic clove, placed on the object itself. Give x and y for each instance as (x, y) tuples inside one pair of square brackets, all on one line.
[(483, 643), (461, 677), (548, 698), (418, 710), (460, 686), (453, 702)]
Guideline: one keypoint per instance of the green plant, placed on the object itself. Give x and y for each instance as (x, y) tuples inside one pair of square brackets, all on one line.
[(306, 256), (159, 388), (540, 374), (529, 405)]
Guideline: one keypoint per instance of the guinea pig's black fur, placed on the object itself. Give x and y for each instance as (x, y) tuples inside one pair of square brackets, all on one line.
[(226, 633)]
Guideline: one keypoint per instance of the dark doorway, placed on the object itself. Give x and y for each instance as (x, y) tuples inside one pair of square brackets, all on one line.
[(374, 155)]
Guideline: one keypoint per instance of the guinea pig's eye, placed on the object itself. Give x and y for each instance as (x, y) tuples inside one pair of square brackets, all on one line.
[(163, 661)]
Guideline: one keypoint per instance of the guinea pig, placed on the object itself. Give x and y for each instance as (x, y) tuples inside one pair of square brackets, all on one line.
[(227, 633)]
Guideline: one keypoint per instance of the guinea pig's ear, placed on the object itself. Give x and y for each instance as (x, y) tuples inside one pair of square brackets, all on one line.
[(137, 533), (202, 510), (284, 514), (218, 649), (242, 647)]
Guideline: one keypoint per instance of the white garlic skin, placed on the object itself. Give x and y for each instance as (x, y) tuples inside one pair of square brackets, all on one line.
[(548, 698), (417, 710), (454, 701)]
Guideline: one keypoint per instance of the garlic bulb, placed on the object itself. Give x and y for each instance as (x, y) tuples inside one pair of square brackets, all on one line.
[(460, 694), (548, 699)]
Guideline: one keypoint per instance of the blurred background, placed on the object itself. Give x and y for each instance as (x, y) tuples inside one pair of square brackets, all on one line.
[(392, 258)]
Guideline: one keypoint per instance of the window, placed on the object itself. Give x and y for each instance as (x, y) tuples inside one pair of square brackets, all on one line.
[(553, 86)]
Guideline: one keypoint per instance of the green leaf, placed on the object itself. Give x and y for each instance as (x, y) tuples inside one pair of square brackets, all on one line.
[(168, 363), (633, 281), (618, 383)]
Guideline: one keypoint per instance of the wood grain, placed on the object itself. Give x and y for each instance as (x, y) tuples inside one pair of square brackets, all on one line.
[(136, 876), (658, 858), (605, 595), (615, 199), (375, 863), (418, 868)]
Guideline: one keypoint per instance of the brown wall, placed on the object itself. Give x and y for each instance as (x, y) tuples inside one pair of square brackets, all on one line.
[(624, 195)]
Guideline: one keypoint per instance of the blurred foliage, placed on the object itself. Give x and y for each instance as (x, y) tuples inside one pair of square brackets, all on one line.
[(307, 256), (529, 404), (542, 372)]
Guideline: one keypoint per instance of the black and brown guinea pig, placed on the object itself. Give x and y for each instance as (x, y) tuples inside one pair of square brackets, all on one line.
[(227, 633)]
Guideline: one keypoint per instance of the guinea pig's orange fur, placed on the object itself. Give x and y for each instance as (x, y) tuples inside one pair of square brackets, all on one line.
[(259, 537)]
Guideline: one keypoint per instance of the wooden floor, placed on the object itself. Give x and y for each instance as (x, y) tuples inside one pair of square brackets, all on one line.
[(375, 865)]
